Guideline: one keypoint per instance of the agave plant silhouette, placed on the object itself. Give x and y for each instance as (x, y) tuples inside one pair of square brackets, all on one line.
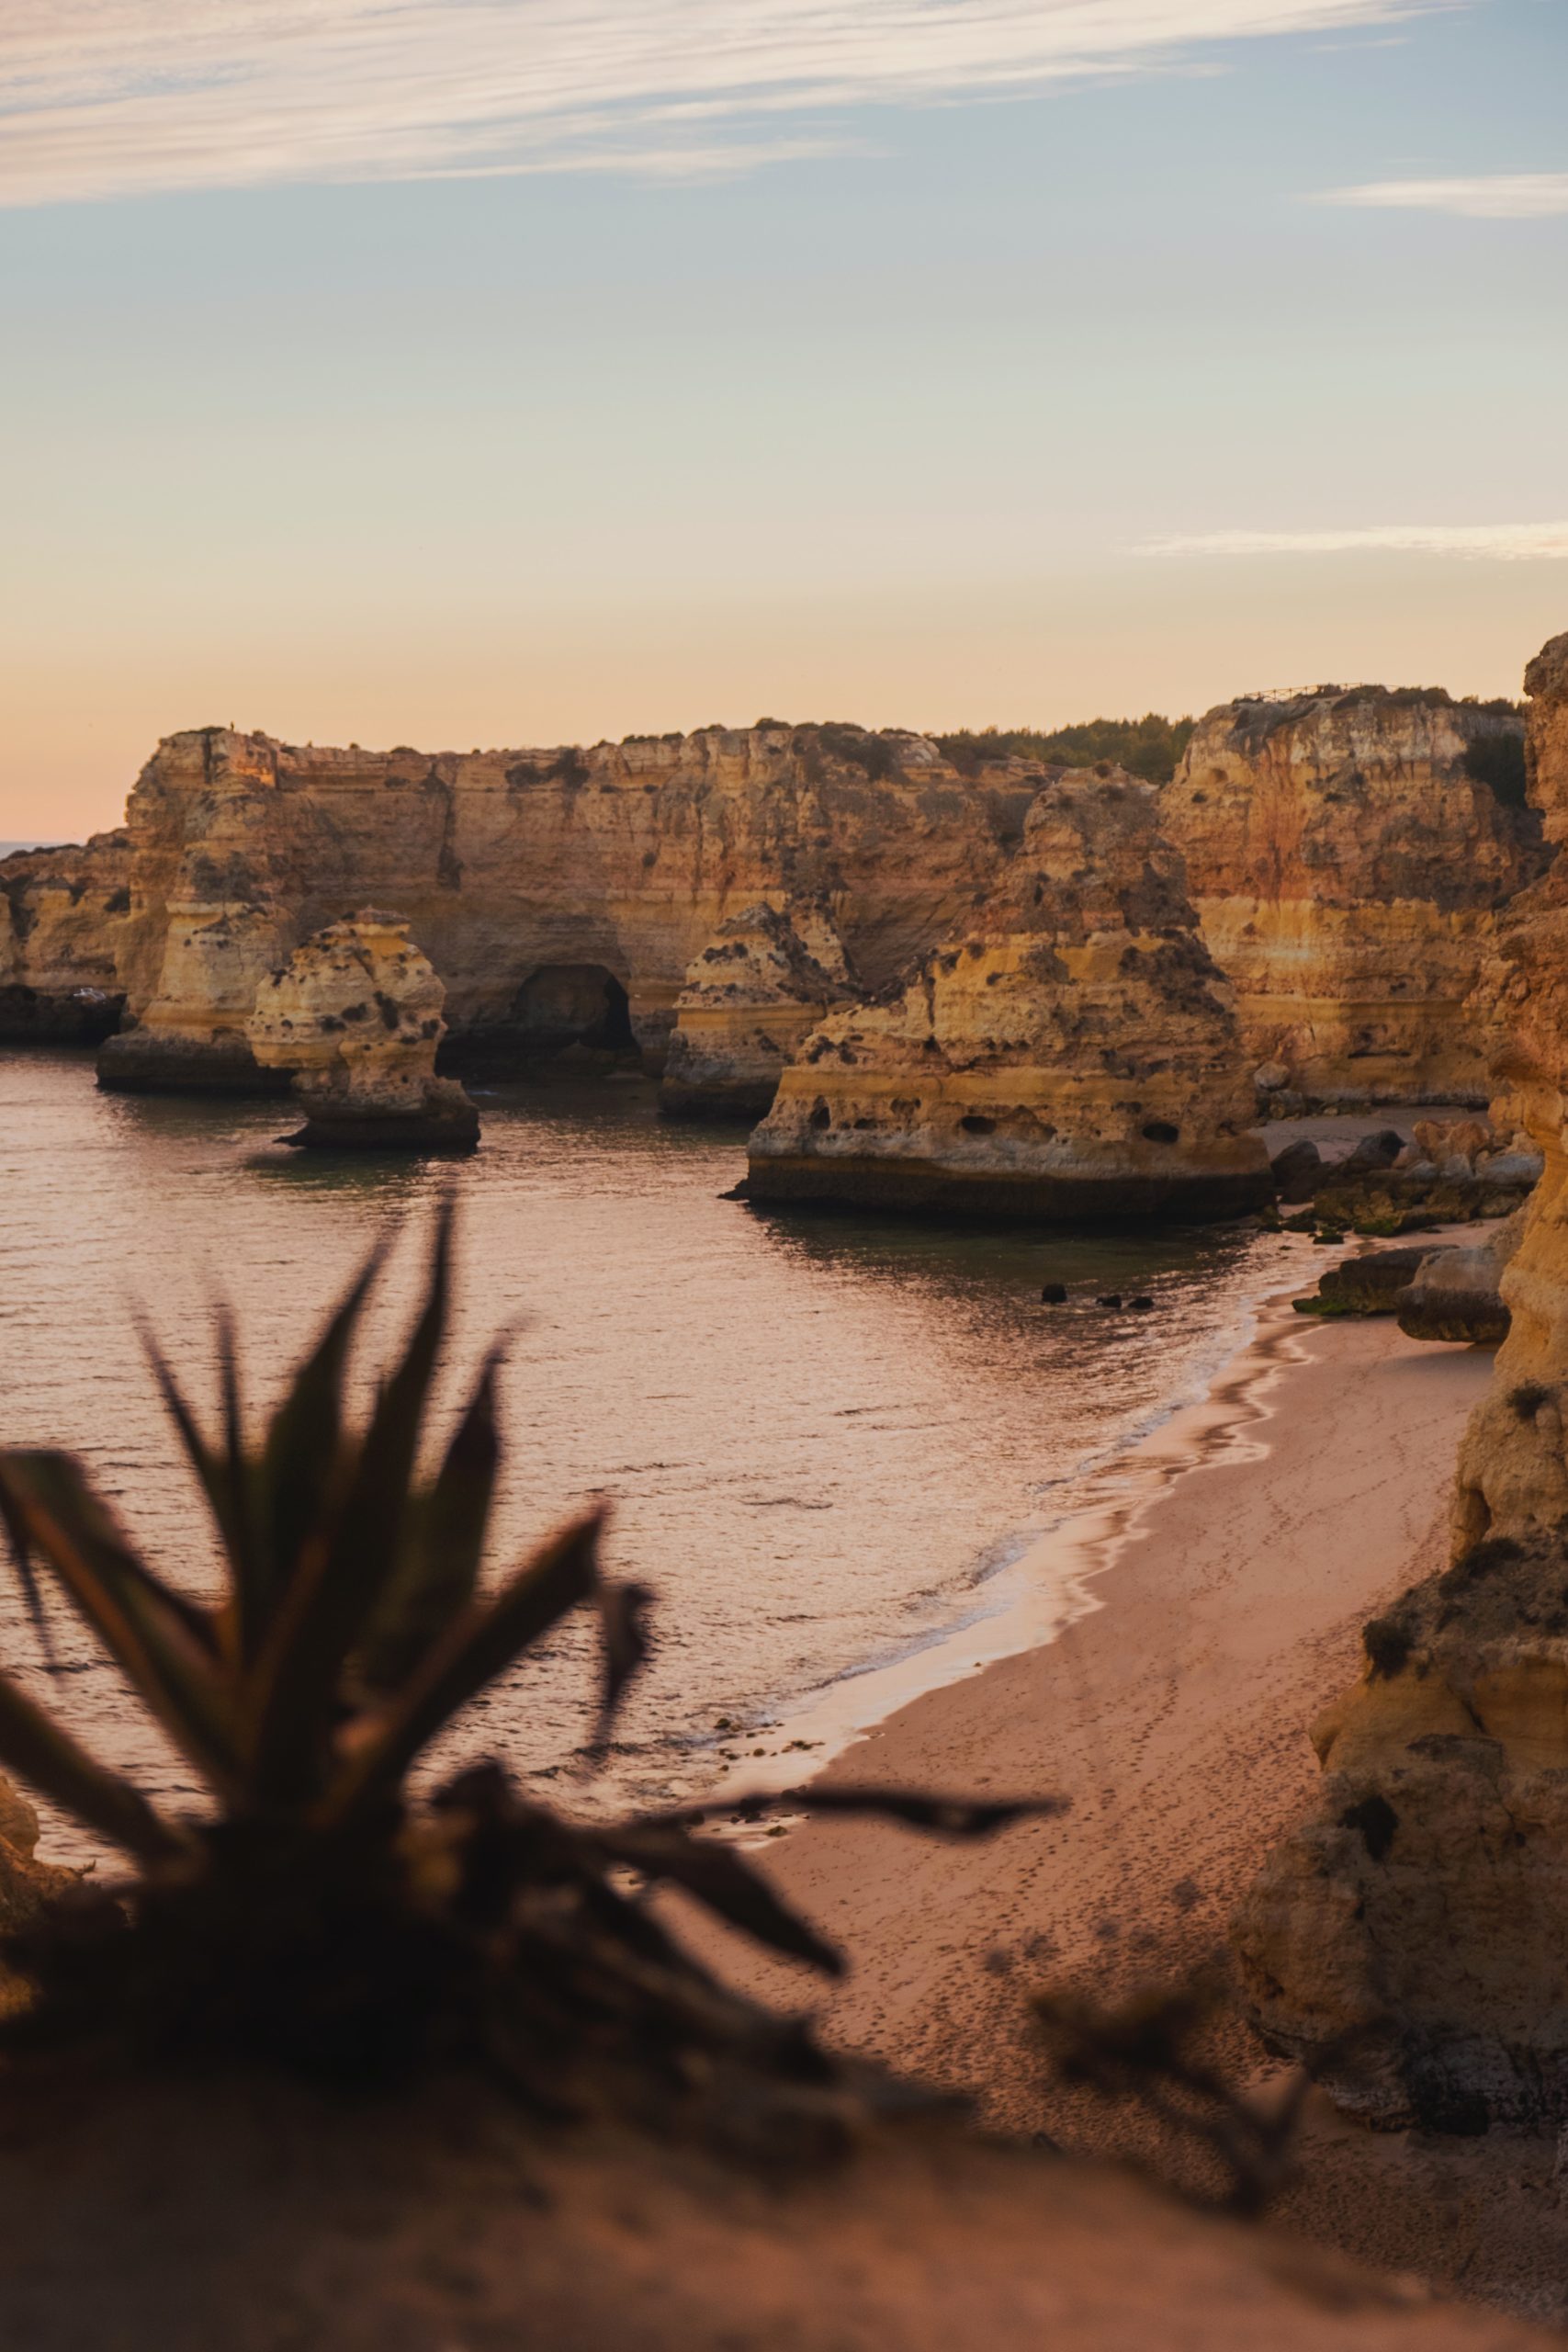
[(316, 1913)]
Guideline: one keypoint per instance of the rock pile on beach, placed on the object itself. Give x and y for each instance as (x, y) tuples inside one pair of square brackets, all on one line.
[(354, 1018), (1447, 1174)]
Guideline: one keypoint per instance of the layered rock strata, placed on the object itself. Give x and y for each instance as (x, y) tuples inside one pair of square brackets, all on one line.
[(1406, 1942), (1347, 853), (63, 916), (354, 1018), (560, 894), (752, 997), (1071, 1053)]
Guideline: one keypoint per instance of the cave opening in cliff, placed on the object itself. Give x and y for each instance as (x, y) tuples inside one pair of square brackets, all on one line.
[(562, 1005)]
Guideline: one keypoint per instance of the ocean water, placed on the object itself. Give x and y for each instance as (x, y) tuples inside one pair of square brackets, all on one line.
[(825, 1439)]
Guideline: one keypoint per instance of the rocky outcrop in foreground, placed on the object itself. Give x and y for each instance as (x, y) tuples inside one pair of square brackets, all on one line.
[(354, 1019), (1347, 853), (63, 915), (752, 997), (1071, 1053), (1407, 1941)]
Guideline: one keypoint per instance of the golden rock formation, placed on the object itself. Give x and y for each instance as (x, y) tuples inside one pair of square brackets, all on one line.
[(1072, 1052), (752, 997), (354, 1019), (1347, 853), (1406, 1941), (618, 863), (64, 913)]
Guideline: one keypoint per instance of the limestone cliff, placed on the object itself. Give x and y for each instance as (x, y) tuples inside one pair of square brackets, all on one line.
[(1408, 1940), (752, 997), (546, 886), (64, 914), (1347, 853), (1071, 1052), (1512, 1475), (354, 1019)]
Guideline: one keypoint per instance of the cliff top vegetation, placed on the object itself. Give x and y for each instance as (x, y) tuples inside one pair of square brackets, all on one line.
[(1148, 747)]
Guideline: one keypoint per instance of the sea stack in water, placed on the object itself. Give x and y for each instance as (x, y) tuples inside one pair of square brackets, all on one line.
[(752, 997), (1347, 853), (354, 1018), (1406, 1942), (1073, 1055)]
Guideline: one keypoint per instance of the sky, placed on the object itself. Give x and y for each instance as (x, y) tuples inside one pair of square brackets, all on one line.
[(473, 372)]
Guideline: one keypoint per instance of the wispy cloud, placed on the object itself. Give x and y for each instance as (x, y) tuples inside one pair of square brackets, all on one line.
[(103, 97), (1502, 542), (1494, 196)]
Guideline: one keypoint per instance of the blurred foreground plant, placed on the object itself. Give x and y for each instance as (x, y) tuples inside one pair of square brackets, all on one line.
[(316, 1915)]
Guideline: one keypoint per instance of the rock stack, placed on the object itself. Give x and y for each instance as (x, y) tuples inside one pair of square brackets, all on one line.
[(752, 996), (354, 1019)]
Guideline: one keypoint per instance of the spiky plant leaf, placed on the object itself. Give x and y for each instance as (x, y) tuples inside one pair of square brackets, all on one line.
[(37, 1749), (624, 1640), (345, 1563), (943, 1816), (300, 1456), (437, 1573), (160, 1641), (726, 1885), (487, 1639)]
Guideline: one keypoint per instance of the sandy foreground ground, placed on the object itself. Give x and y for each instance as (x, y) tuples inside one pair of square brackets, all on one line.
[(1262, 1529)]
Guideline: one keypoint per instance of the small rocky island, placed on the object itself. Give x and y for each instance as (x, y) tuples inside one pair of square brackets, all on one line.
[(354, 1018)]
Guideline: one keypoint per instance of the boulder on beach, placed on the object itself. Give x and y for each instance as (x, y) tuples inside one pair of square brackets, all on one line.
[(1456, 1294), (1372, 1284), (1297, 1172)]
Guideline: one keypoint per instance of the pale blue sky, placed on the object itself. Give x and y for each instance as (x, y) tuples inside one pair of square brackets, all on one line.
[(898, 425)]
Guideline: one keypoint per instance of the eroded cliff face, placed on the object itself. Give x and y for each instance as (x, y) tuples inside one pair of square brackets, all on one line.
[(1513, 1477), (64, 914), (751, 998), (1348, 857), (1071, 1051), (354, 1021), (615, 865), (1408, 1940)]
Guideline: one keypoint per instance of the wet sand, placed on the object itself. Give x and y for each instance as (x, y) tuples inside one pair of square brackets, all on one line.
[(1227, 1590)]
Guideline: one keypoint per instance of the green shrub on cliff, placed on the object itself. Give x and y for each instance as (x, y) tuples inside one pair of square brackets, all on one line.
[(1149, 747), (313, 1913)]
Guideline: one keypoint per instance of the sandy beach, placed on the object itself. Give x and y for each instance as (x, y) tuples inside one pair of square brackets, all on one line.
[(1264, 1526)]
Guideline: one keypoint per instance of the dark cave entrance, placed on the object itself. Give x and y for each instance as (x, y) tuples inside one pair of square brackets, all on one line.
[(562, 1005)]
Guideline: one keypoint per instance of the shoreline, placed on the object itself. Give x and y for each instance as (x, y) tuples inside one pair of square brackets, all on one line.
[(1173, 1711), (1049, 1583)]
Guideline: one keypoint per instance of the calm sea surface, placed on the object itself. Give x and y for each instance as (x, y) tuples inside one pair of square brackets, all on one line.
[(824, 1437)]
